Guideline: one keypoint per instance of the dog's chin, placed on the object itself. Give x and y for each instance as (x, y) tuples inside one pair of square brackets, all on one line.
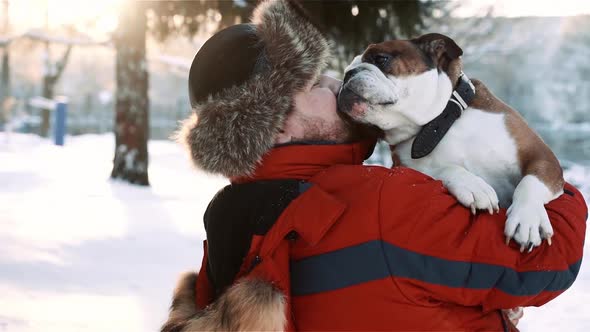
[(360, 129)]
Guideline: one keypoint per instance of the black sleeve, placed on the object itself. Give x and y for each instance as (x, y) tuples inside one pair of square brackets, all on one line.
[(236, 213)]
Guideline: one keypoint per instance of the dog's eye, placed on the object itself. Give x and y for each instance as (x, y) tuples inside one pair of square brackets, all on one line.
[(380, 60)]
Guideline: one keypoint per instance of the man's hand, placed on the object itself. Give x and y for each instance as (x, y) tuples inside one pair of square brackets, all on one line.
[(514, 314)]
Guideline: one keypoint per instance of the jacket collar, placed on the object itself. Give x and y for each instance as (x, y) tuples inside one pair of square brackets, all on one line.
[(302, 161)]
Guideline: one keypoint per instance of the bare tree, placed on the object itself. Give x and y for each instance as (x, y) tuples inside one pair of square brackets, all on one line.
[(52, 73)]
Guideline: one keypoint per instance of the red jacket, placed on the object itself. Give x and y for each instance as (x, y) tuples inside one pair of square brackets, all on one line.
[(391, 249)]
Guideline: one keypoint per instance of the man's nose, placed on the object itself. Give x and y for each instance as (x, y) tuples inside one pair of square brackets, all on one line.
[(331, 83)]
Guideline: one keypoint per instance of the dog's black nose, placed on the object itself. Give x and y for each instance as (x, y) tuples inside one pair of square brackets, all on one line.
[(349, 74)]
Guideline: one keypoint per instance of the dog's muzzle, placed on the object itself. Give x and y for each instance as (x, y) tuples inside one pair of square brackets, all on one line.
[(349, 101), (361, 89)]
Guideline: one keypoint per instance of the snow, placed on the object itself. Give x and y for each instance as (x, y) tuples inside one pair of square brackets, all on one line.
[(83, 253)]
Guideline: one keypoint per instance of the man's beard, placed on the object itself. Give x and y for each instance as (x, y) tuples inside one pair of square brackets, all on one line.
[(343, 131), (360, 131)]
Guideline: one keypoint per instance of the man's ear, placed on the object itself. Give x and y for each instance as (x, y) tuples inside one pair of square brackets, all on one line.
[(440, 48)]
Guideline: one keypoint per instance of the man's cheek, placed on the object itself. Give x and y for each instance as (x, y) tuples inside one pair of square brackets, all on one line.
[(325, 104)]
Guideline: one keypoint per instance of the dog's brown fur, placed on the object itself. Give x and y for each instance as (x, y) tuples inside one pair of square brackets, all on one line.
[(248, 305), (408, 56), (535, 157)]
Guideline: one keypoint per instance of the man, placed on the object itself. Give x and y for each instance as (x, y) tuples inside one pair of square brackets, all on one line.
[(307, 238)]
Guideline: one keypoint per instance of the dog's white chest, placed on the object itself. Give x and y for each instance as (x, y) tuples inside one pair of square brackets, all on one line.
[(478, 141)]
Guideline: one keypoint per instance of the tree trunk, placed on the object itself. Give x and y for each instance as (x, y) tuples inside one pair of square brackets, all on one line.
[(132, 105), (5, 91), (50, 79), (48, 88), (5, 79)]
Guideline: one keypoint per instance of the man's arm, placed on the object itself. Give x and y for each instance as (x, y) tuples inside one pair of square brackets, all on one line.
[(439, 251)]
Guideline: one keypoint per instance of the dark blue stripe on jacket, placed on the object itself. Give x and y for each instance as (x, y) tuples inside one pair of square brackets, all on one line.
[(375, 260)]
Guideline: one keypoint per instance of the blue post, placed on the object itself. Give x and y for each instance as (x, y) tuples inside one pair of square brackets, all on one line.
[(61, 110)]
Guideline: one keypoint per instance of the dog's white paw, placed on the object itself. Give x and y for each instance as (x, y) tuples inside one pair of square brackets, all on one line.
[(528, 224), (473, 192)]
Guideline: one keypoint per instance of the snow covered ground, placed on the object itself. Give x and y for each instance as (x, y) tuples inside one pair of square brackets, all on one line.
[(79, 252)]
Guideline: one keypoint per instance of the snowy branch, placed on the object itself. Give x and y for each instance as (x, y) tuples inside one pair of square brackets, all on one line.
[(5, 41), (39, 35), (73, 41)]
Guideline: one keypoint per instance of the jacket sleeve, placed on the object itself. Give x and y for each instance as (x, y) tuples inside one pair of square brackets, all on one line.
[(438, 252)]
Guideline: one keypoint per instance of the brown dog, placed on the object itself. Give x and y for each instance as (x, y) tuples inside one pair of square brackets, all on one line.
[(457, 131)]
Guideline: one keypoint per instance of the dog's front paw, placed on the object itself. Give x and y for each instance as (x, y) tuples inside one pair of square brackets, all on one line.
[(528, 224), (473, 192)]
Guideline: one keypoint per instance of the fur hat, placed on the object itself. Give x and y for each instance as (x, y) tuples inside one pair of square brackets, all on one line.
[(237, 119)]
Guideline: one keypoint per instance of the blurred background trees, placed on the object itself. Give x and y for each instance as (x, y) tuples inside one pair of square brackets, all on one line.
[(51, 75), (132, 80), (5, 91), (353, 24), (163, 18), (350, 23)]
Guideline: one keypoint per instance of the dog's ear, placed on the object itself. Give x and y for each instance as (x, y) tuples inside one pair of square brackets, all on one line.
[(440, 48)]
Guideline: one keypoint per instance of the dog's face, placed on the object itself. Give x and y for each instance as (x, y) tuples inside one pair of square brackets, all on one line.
[(401, 81)]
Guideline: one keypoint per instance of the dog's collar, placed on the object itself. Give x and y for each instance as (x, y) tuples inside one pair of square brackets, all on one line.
[(433, 132)]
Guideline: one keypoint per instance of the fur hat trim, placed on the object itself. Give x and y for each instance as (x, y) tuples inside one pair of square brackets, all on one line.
[(229, 133)]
